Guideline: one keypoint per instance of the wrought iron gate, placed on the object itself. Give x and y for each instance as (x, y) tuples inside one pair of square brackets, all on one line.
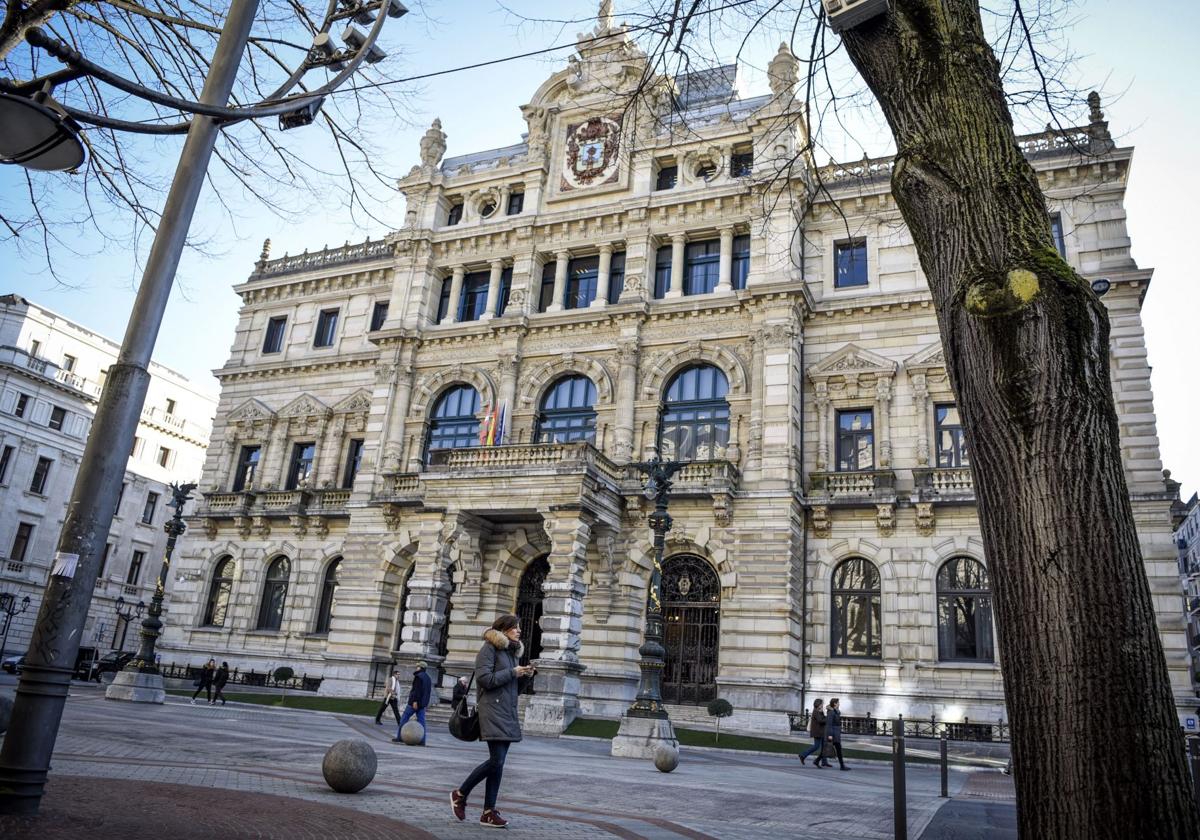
[(691, 595), (529, 607)]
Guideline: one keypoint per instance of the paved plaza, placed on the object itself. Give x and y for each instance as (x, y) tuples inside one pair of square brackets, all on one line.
[(244, 771)]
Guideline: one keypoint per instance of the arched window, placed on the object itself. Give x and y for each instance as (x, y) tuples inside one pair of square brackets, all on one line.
[(219, 591), (529, 607), (328, 588), (454, 424), (402, 606), (567, 412), (270, 611), (964, 611), (855, 608), (694, 424)]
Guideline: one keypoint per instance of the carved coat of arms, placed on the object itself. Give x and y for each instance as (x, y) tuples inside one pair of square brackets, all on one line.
[(591, 153)]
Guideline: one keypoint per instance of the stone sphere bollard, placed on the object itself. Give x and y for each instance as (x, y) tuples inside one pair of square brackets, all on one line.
[(412, 732), (666, 757), (6, 707), (349, 765)]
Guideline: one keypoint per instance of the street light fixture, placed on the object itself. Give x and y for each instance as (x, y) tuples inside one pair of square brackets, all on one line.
[(8, 606), (36, 135), (128, 615)]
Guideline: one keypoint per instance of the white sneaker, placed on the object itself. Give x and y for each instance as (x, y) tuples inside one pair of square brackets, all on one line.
[(193, 701)]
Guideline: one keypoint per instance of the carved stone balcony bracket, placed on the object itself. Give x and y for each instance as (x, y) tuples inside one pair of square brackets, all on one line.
[(925, 518), (885, 518), (820, 521)]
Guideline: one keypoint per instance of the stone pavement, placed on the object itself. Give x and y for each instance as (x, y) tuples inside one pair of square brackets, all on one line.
[(245, 771)]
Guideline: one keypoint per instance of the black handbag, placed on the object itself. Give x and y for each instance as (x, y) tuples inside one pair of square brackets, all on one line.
[(464, 718)]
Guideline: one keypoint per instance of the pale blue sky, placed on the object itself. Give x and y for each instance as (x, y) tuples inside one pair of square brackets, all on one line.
[(1142, 56)]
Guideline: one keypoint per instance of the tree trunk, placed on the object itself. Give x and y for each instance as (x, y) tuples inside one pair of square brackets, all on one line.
[(1096, 738)]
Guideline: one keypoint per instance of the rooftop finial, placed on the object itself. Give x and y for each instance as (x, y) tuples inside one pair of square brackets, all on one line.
[(1093, 101), (433, 145), (783, 72), (266, 251), (605, 17)]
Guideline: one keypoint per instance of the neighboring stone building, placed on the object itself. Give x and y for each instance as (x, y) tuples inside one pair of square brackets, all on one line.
[(1187, 541), (51, 374), (624, 279)]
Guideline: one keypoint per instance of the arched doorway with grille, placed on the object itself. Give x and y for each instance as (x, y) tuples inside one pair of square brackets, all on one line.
[(529, 607), (691, 604)]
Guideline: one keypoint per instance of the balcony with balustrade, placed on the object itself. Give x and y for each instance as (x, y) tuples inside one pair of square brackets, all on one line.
[(944, 485), (859, 488), (254, 511)]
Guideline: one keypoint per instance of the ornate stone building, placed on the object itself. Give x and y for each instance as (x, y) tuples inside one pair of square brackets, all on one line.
[(672, 274)]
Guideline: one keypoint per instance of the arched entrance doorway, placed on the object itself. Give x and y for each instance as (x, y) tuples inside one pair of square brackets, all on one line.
[(691, 603), (529, 607)]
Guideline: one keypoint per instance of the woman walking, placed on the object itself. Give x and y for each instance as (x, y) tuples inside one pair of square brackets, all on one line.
[(204, 681), (497, 672), (219, 680), (816, 728)]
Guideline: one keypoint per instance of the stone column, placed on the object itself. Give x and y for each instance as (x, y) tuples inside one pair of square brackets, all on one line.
[(562, 258), (627, 356), (821, 403), (725, 278), (493, 293), (678, 243), (274, 460), (510, 365), (920, 407), (456, 284), (393, 443), (326, 468), (883, 401), (603, 276)]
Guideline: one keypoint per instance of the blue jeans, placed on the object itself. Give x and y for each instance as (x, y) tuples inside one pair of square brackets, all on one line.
[(492, 770), (408, 712), (815, 748)]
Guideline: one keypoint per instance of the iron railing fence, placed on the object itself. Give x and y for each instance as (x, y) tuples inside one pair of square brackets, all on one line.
[(955, 730), (258, 679)]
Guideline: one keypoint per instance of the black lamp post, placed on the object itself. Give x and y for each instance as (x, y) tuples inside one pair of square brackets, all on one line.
[(128, 615), (8, 606)]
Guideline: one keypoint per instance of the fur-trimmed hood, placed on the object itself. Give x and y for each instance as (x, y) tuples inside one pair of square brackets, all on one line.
[(501, 642)]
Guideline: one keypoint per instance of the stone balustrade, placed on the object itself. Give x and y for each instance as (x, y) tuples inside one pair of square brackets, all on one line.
[(359, 252), (861, 485), (706, 477), (945, 484), (567, 457)]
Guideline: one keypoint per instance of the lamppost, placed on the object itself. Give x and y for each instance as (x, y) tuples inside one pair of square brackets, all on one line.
[(140, 681), (8, 606), (128, 615), (645, 724)]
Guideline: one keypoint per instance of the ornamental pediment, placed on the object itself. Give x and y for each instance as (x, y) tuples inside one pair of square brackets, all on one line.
[(250, 410), (305, 405), (931, 358), (355, 403), (853, 360)]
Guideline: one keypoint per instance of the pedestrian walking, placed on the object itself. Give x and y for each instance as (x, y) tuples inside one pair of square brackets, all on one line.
[(204, 681), (418, 700), (833, 730), (391, 695), (817, 729), (500, 679), (219, 679), (460, 691)]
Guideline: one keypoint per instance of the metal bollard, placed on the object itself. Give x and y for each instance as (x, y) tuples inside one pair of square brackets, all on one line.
[(1194, 756), (945, 768), (899, 799)]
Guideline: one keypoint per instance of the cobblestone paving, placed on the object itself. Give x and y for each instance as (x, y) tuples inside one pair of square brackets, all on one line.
[(553, 788)]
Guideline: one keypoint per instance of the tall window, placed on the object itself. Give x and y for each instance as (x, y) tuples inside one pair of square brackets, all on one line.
[(21, 542), (149, 508), (58, 416), (546, 290), (270, 610), (247, 466), (855, 609), (474, 296), (850, 264), (516, 203), (41, 476), (300, 468), (379, 313), (104, 559), (326, 328), (164, 457), (662, 271), (616, 277), (443, 308), (741, 261), (855, 440), (69, 363), (568, 411), (21, 404), (353, 462), (741, 164), (964, 612), (1056, 230), (273, 339), (701, 267), (170, 406), (582, 276), (219, 593), (668, 176), (328, 589), (5, 460), (694, 424), (951, 445), (135, 567), (454, 214), (505, 291), (454, 424), (35, 347)]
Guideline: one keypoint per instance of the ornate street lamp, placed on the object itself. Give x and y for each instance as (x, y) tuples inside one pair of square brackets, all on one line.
[(128, 615), (140, 681), (8, 606)]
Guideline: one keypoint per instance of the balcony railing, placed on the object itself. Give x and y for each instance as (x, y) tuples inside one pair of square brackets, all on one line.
[(944, 484), (227, 504), (17, 357), (861, 485), (274, 502), (561, 457), (324, 258), (705, 477)]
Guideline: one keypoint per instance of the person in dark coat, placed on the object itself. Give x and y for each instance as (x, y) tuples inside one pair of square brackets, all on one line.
[(460, 691), (418, 700), (817, 729), (204, 681), (498, 674), (833, 730), (219, 679)]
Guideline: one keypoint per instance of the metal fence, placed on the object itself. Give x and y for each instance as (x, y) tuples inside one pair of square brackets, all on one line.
[(958, 730), (254, 678)]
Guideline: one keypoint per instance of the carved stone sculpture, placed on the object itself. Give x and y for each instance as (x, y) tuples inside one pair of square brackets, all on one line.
[(433, 145)]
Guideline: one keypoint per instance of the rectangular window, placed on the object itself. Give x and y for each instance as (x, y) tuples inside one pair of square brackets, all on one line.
[(516, 203), (35, 347), (701, 267), (170, 406), (326, 328), (616, 277), (474, 296), (662, 271), (273, 341), (41, 476), (546, 293), (741, 164), (668, 175), (379, 315), (1056, 230), (505, 291), (21, 405), (164, 457), (301, 467), (444, 300), (454, 215), (149, 508), (104, 559), (855, 440), (138, 446), (741, 261), (353, 462), (951, 445), (120, 498), (850, 264), (247, 466), (69, 363), (57, 417), (21, 542), (5, 460), (135, 567), (582, 276)]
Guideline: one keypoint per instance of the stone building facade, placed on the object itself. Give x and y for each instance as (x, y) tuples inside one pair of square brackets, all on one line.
[(51, 374), (669, 274)]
